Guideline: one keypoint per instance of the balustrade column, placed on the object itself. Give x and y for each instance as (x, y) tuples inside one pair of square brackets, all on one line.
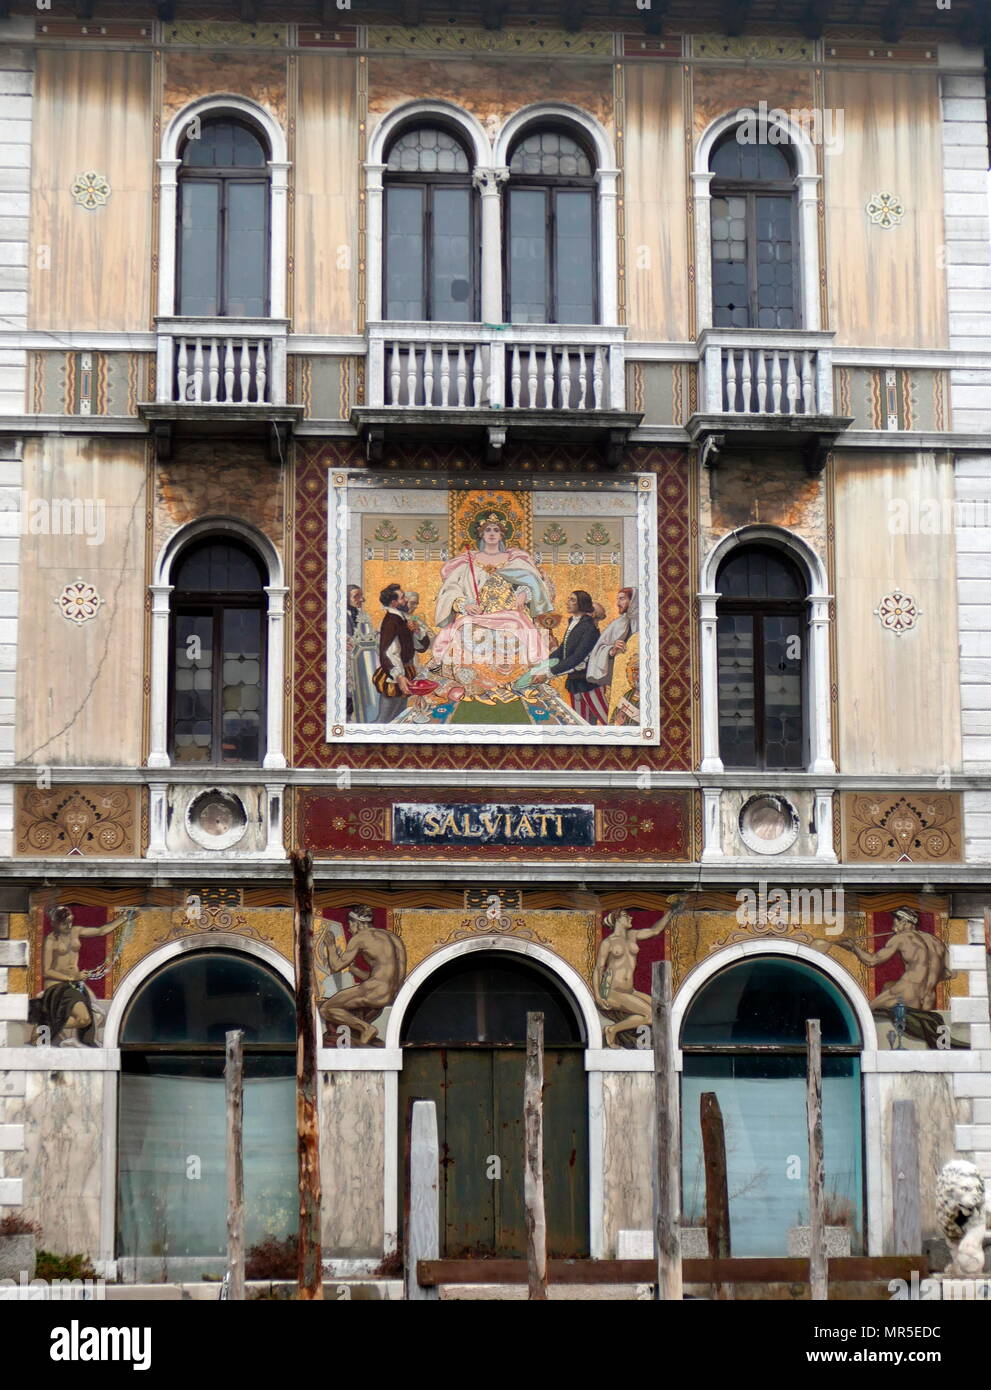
[(488, 182)]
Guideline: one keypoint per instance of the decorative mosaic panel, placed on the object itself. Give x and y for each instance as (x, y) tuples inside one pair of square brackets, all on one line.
[(641, 826), (673, 751), (882, 828), (89, 822), (893, 949)]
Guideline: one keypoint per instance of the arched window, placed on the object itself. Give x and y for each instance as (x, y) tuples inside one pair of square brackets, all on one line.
[(743, 1038), (223, 213), (431, 241), (172, 1125), (218, 655), (761, 636), (551, 270), (463, 1039), (754, 236)]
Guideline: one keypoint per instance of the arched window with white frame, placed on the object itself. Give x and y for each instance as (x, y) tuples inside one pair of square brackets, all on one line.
[(550, 240), (431, 236), (756, 187), (223, 211), (764, 619)]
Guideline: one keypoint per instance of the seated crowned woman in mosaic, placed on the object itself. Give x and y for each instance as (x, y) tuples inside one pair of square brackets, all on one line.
[(488, 614)]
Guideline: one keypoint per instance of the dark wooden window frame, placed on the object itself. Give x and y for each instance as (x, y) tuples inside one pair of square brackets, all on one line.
[(550, 185), (225, 176), (430, 182), (193, 603), (751, 190), (758, 609)]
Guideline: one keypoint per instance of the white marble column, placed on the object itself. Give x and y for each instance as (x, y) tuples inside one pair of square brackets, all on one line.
[(711, 761), (608, 180), (703, 250), (374, 232), (820, 727), (824, 824), (808, 248), (279, 241), (275, 755), (489, 182), (712, 829), (157, 792), (167, 183), (158, 754), (274, 846)]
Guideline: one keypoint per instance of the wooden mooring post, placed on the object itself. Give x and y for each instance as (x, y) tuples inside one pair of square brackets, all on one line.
[(818, 1267), (716, 1184), (667, 1132), (533, 1166), (309, 1269), (905, 1173), (234, 1093), (421, 1227)]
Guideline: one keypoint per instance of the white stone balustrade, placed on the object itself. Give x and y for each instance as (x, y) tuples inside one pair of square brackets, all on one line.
[(763, 373), (510, 367), (221, 362)]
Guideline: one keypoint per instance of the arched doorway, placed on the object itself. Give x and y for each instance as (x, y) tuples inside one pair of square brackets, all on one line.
[(743, 1037), (464, 1045), (171, 1191)]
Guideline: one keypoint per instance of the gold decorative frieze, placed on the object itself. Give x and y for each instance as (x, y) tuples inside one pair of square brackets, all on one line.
[(753, 48), (220, 34), (84, 821), (888, 828), (430, 38)]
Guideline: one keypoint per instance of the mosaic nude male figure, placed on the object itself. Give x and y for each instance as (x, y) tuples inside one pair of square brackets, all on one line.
[(377, 987)]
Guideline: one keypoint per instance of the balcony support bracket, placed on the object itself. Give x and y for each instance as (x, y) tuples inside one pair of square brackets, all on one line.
[(495, 439), (161, 433)]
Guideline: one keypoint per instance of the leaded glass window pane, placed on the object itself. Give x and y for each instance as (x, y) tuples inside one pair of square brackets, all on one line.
[(426, 150), (223, 145), (575, 261), (528, 255), (242, 685), (775, 267), (247, 249), (452, 253), (193, 688), (404, 287), (782, 691), (735, 676), (550, 153), (729, 263), (750, 160), (199, 240)]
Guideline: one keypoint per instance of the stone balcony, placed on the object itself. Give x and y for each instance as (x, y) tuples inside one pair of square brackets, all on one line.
[(495, 380)]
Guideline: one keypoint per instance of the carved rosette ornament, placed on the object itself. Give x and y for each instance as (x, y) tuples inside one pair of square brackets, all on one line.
[(885, 209), (898, 612), (90, 190), (78, 602)]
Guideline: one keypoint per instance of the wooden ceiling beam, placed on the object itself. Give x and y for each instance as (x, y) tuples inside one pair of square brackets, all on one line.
[(493, 13), (896, 19), (813, 20), (735, 16), (573, 15), (653, 18)]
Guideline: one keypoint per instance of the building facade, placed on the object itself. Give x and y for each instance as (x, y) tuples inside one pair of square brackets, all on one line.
[(538, 460)]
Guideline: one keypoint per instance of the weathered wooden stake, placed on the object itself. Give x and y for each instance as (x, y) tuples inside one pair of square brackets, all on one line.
[(234, 1091), (716, 1184), (421, 1228), (309, 1272), (818, 1267), (907, 1213), (667, 1129), (533, 1166)]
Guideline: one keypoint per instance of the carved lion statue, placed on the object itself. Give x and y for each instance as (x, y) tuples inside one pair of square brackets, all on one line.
[(962, 1218)]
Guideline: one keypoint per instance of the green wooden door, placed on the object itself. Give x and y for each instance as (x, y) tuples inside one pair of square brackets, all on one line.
[(478, 1092)]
